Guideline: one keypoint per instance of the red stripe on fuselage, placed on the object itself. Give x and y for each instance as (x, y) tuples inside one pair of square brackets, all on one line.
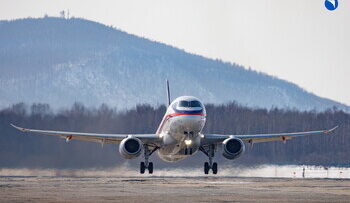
[(179, 114), (175, 114)]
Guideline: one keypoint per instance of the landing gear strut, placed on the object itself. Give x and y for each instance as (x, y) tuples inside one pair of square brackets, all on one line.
[(210, 154), (147, 165)]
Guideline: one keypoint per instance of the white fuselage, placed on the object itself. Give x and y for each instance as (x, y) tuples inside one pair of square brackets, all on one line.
[(181, 128)]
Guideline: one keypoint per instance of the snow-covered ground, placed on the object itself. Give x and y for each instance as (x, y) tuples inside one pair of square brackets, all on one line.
[(271, 171)]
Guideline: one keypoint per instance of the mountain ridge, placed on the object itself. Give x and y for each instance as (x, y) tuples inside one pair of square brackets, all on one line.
[(61, 61)]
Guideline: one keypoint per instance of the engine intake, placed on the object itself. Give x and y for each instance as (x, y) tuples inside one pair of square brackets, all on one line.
[(130, 147), (233, 148)]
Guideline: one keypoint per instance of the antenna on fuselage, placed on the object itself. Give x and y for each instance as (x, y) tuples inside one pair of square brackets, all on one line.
[(168, 91)]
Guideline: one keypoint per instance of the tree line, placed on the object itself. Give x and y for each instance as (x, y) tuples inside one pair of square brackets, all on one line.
[(19, 149)]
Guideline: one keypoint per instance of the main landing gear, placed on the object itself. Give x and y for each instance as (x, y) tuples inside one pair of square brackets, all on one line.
[(147, 165), (210, 151)]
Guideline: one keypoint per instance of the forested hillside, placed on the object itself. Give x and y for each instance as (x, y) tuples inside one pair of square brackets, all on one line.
[(18, 149), (62, 61)]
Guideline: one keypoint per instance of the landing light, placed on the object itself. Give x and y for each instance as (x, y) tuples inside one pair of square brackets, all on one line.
[(188, 142)]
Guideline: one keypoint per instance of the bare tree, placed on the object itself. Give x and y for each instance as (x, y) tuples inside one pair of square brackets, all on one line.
[(62, 14)]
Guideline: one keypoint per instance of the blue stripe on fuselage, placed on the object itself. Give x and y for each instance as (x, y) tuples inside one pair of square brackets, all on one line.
[(186, 111)]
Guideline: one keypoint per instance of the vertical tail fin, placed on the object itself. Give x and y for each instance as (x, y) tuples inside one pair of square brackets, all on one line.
[(168, 91)]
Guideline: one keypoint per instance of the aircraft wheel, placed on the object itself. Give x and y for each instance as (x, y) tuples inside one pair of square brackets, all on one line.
[(215, 168), (206, 168), (142, 167), (150, 167)]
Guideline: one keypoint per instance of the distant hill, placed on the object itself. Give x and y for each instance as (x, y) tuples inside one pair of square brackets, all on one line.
[(61, 61)]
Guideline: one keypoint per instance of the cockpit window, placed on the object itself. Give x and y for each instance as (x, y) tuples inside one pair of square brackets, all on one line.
[(189, 104), (184, 104), (195, 104)]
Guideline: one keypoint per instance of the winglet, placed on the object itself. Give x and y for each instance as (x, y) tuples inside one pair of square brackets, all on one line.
[(19, 128), (330, 130)]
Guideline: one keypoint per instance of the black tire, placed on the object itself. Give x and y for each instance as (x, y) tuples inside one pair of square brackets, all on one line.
[(150, 167), (206, 168), (142, 167), (215, 168)]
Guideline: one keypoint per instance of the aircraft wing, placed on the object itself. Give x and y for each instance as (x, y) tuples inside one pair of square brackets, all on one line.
[(251, 139), (94, 137)]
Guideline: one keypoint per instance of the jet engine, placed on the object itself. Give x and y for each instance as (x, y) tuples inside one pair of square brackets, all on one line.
[(130, 147), (233, 148)]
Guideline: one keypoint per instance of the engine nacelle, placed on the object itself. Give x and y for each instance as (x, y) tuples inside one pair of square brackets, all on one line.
[(130, 147), (233, 148)]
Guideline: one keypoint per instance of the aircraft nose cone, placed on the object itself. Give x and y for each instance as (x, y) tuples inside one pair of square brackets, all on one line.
[(190, 123)]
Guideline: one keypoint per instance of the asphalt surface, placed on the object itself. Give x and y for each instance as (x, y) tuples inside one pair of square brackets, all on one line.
[(171, 189)]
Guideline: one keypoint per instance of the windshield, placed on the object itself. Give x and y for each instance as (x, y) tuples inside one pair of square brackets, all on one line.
[(189, 104), (195, 104)]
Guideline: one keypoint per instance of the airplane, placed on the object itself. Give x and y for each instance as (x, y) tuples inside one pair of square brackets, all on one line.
[(178, 136)]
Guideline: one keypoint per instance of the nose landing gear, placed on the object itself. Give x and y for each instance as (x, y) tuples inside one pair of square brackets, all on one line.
[(209, 165)]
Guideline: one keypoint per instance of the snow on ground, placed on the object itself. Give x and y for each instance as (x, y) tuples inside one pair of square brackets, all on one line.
[(271, 171)]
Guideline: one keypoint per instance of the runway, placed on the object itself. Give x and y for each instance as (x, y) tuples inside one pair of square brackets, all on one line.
[(171, 189)]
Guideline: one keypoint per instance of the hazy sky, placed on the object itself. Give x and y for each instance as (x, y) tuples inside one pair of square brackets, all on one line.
[(296, 40)]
